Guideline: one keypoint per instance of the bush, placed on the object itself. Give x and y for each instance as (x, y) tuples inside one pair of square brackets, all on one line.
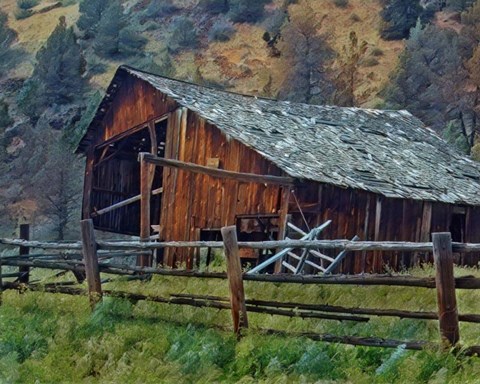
[(158, 9), (5, 119), (221, 30), (377, 52), (214, 6), (355, 18), (183, 34), (27, 4), (246, 11), (341, 3), (130, 42), (369, 62), (21, 14)]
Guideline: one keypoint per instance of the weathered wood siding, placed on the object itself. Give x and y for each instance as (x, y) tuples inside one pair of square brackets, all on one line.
[(194, 201), (377, 218)]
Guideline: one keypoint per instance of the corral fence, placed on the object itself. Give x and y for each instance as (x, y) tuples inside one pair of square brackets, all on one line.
[(88, 258)]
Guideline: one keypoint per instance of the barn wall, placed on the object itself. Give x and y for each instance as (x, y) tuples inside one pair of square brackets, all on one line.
[(195, 201), (135, 103), (377, 218)]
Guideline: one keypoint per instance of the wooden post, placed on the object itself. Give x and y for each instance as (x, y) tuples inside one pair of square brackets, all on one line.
[(90, 258), (145, 194), (235, 279), (445, 282), (25, 271), (1, 280)]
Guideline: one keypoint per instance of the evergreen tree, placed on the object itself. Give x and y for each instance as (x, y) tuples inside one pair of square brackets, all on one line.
[(90, 15), (5, 119), (7, 37), (60, 66), (183, 34), (399, 16), (246, 11), (307, 55), (111, 23)]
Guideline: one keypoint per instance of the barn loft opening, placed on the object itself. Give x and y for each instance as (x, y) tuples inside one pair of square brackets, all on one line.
[(116, 177)]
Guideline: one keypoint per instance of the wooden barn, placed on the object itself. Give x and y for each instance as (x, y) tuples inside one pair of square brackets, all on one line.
[(381, 175)]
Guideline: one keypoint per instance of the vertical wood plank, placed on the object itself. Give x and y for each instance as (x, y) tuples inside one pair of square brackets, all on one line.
[(282, 222), (90, 259), (445, 282), (235, 279), (145, 194), (25, 271)]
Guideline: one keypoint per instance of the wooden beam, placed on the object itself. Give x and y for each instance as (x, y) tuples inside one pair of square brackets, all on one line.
[(219, 173), (25, 271), (123, 203), (90, 259), (445, 282), (235, 279), (145, 194)]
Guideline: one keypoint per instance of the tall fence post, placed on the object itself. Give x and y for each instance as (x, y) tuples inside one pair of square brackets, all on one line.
[(235, 279), (24, 271), (90, 258), (445, 283), (145, 194)]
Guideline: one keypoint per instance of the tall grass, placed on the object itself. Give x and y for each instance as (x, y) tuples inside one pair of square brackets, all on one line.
[(51, 338)]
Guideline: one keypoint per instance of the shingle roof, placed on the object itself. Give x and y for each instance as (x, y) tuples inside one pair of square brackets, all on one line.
[(386, 152)]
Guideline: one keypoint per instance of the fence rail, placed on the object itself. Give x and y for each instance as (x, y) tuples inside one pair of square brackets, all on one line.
[(86, 258)]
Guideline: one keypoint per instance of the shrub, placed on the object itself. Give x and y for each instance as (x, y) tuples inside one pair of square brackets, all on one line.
[(355, 18), (369, 62), (22, 13), (221, 30), (130, 42), (214, 6), (27, 4), (247, 11), (377, 52), (341, 3), (158, 9), (183, 34), (5, 119)]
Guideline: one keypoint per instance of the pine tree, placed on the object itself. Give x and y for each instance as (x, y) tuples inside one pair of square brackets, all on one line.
[(399, 16), (307, 55), (7, 37), (90, 14), (60, 66), (107, 40), (183, 34)]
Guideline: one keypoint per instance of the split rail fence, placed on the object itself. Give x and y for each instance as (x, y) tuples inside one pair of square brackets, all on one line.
[(87, 259)]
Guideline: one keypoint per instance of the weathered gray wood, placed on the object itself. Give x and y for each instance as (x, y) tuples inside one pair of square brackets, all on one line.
[(25, 271), (220, 173), (235, 279), (338, 259), (90, 260), (123, 203), (445, 282)]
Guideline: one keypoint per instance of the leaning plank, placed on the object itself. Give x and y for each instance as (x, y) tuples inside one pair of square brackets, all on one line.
[(123, 203), (90, 259), (220, 173), (338, 259)]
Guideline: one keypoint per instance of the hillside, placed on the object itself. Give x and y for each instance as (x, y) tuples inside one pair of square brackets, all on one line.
[(244, 62)]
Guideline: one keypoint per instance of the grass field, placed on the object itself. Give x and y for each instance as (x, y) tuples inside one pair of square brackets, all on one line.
[(52, 338)]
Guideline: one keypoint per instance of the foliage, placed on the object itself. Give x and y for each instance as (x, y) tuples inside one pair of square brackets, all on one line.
[(159, 9), (5, 118), (454, 134), (221, 30), (341, 3), (58, 76), (27, 4), (183, 34), (399, 16), (90, 15), (307, 56), (7, 38), (130, 42), (246, 11), (348, 65), (214, 6), (162, 65), (111, 23)]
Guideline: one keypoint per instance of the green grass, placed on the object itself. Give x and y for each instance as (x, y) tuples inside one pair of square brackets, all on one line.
[(52, 338)]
